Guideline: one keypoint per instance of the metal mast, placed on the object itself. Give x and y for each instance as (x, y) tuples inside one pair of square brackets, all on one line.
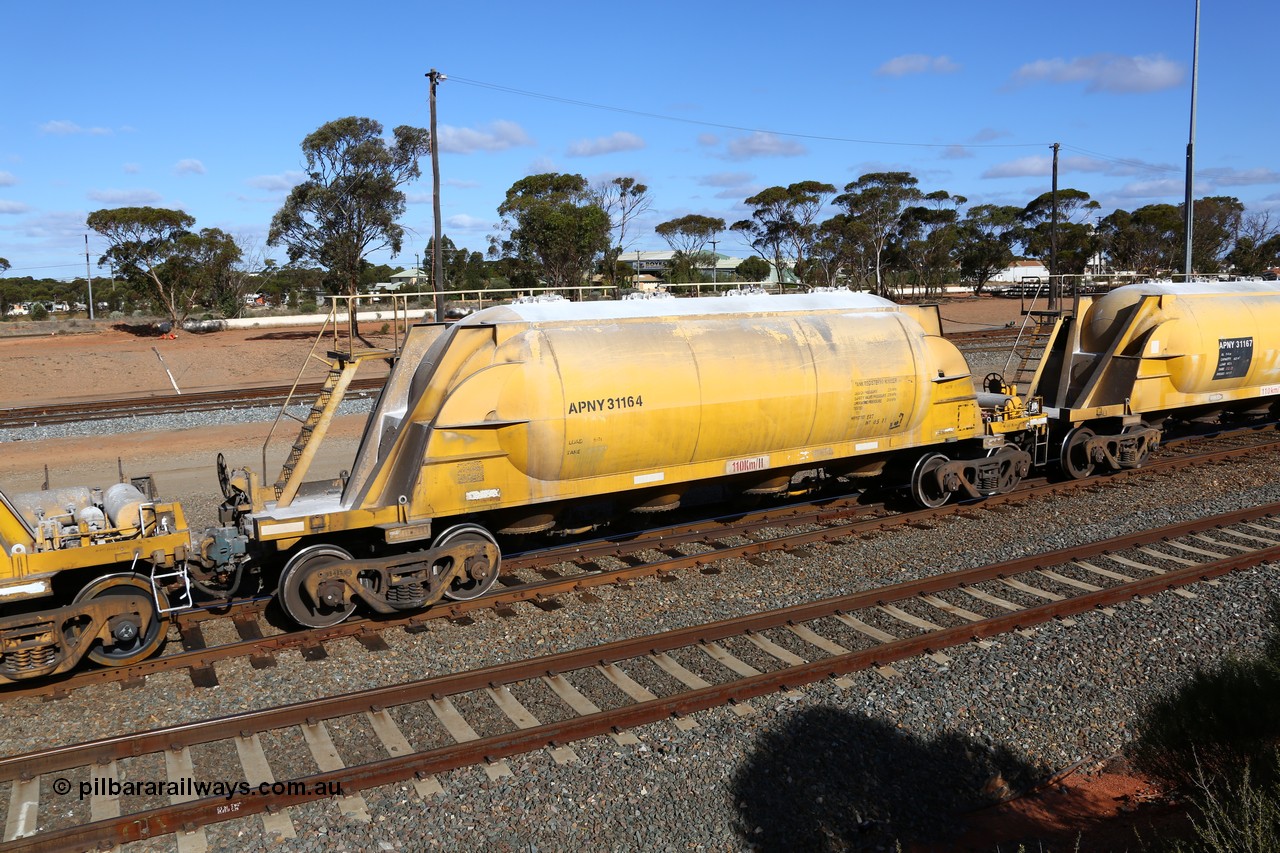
[(1055, 281), (1191, 140)]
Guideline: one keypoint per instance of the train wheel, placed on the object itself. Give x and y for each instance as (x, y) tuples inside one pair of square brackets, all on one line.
[(926, 487), (481, 574), (132, 644), (1075, 459), (295, 600)]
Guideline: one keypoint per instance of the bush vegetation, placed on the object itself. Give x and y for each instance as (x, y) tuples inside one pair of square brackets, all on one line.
[(1217, 739)]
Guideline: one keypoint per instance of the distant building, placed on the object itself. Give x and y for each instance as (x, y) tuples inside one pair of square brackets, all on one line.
[(1019, 271), (417, 279), (656, 264)]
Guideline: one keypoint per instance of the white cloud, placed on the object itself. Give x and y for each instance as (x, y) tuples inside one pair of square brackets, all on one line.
[(739, 193), (917, 63), (1040, 166), (989, 134), (726, 179), (500, 135), (188, 167), (466, 222), (1239, 177), (761, 144), (282, 182), (462, 185), (13, 207), (541, 166), (1162, 188), (8, 179), (708, 139), (60, 227), (956, 152), (70, 128), (131, 168), (1023, 167), (129, 198), (1106, 72), (620, 141)]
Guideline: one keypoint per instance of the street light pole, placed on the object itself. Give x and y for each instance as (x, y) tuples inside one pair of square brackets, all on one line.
[(1189, 203)]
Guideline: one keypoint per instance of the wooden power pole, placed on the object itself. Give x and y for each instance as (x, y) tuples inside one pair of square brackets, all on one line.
[(437, 274)]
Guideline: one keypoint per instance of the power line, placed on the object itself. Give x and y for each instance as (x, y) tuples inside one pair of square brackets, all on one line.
[(1122, 161), (45, 267), (793, 134)]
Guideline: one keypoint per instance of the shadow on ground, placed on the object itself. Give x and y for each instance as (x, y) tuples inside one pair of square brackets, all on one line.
[(304, 335), (832, 780), (144, 330)]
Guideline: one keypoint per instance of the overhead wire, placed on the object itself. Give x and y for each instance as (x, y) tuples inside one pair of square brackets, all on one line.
[(1123, 161), (740, 128)]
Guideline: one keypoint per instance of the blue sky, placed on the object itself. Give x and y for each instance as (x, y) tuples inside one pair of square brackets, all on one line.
[(202, 106)]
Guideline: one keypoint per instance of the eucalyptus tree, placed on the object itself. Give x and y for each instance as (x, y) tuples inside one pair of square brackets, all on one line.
[(553, 225), (622, 199), (784, 220), (878, 201), (1149, 240), (4, 265), (1257, 247), (689, 234), (208, 266), (985, 240), (141, 241), (1217, 222), (350, 204), (688, 237), (837, 255), (929, 236), (1077, 240)]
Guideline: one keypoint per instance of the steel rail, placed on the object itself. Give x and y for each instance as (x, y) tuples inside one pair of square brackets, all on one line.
[(137, 407)]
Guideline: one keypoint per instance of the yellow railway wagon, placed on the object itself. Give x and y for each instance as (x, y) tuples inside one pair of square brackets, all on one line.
[(1122, 364), (84, 573), (528, 417)]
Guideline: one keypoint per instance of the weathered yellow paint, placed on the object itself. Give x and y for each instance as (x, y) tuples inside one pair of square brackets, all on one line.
[(28, 554), (1159, 347), (531, 404)]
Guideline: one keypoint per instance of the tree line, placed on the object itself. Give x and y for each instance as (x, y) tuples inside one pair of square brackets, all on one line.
[(880, 232), (886, 232)]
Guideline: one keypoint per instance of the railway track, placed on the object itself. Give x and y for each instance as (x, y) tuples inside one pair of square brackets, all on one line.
[(600, 690), (539, 578), (133, 407)]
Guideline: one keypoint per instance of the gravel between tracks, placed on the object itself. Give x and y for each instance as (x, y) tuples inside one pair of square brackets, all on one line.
[(891, 758)]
